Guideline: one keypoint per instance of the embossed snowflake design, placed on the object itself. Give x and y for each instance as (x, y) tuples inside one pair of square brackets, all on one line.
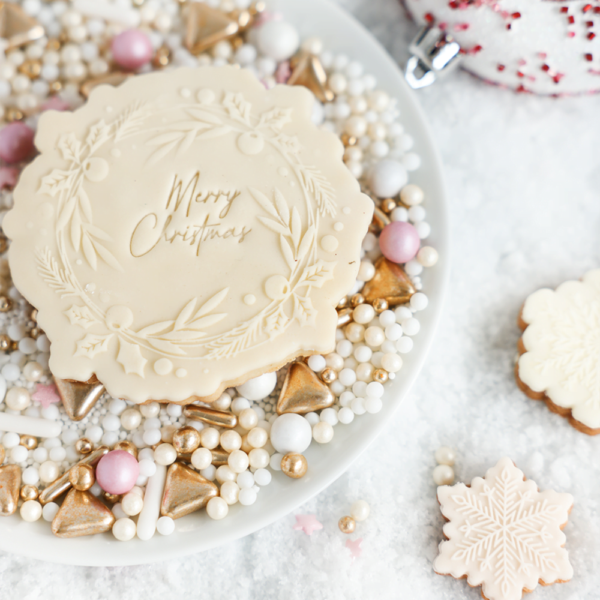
[(562, 343), (504, 534)]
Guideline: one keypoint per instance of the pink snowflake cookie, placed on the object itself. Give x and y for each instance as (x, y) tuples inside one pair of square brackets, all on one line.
[(504, 534)]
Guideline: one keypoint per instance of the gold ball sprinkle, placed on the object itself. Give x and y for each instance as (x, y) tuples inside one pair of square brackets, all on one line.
[(380, 304), (380, 375), (186, 440), (84, 446), (388, 205), (343, 302), (127, 446), (34, 314), (348, 140), (53, 44), (5, 342), (112, 498), (356, 300), (82, 477), (55, 87), (162, 57), (35, 333), (31, 68), (328, 375), (5, 304), (294, 465), (347, 524), (29, 492), (13, 114), (29, 441)]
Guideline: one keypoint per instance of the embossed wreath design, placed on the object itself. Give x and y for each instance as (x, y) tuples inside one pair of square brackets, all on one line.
[(205, 120)]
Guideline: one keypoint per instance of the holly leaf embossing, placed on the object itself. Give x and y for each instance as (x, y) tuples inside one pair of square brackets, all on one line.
[(282, 207), (81, 316), (66, 213), (88, 251), (93, 344), (263, 201), (304, 311), (98, 134), (276, 323), (237, 107), (296, 227), (287, 251), (107, 256), (84, 203), (317, 274), (76, 231), (185, 314), (273, 225), (275, 118), (155, 328), (288, 143), (211, 303), (55, 182), (70, 147), (131, 358), (306, 242)]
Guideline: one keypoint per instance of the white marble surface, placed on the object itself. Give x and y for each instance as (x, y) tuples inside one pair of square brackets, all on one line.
[(524, 185)]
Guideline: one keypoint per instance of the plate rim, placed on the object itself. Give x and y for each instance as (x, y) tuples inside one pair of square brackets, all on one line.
[(106, 551)]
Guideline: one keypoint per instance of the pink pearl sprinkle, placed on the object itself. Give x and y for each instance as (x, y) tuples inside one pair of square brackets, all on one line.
[(16, 142), (117, 472), (399, 242), (131, 49), (55, 103), (8, 177)]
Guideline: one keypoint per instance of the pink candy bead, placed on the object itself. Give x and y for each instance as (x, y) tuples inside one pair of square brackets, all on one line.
[(117, 472), (16, 142), (399, 242), (131, 49), (8, 177), (55, 103)]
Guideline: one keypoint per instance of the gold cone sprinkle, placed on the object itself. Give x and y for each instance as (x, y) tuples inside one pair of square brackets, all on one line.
[(185, 492), (17, 27), (205, 26), (309, 72), (81, 513), (303, 391), (79, 397), (62, 484), (390, 283), (10, 486), (211, 416)]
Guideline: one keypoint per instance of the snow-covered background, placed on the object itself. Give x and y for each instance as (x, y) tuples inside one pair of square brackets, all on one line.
[(523, 178)]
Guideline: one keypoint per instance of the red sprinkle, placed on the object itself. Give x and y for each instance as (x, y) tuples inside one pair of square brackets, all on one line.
[(597, 9), (571, 20), (501, 67), (586, 8), (429, 17), (519, 74), (570, 34), (476, 49), (591, 35), (589, 57), (589, 23), (516, 15), (509, 26), (453, 5), (564, 9), (545, 67)]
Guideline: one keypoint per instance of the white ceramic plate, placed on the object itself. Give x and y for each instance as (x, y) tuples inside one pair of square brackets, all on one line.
[(197, 532)]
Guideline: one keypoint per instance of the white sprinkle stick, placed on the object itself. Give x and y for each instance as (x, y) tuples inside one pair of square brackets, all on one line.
[(146, 525), (108, 11), (29, 425)]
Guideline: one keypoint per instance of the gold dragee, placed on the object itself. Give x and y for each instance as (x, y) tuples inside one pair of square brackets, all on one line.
[(82, 477), (127, 446), (81, 514), (308, 72), (294, 465), (390, 282), (62, 484), (211, 416), (344, 317), (185, 492), (79, 397), (186, 440), (347, 525), (29, 492), (219, 456), (84, 446), (10, 486), (303, 392)]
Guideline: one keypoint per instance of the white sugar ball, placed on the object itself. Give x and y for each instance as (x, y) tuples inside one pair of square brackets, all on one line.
[(312, 418), (247, 497), (345, 415), (387, 177), (40, 455), (399, 214), (262, 477), (387, 318), (322, 432), (19, 454), (245, 54), (31, 511), (362, 354), (238, 461), (275, 461), (209, 438), (360, 510), (147, 467), (366, 271), (374, 336), (358, 406), (413, 267), (231, 440), (152, 437), (391, 362), (363, 314), (165, 454), (412, 194), (58, 454), (48, 471), (290, 433), (419, 301), (225, 473), (411, 326), (423, 229), (117, 406), (217, 508), (445, 456), (443, 475), (230, 492), (404, 345), (132, 504), (278, 40), (375, 389), (238, 405), (124, 529), (317, 363), (329, 415), (259, 387), (201, 458), (393, 332), (221, 403), (427, 256), (209, 473), (257, 437), (150, 410), (18, 398), (245, 480), (165, 526), (131, 419), (259, 458), (10, 440), (94, 433), (111, 423), (347, 377), (50, 510), (30, 476)]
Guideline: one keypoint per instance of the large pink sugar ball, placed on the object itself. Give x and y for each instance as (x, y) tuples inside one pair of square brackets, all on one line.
[(399, 242), (131, 49), (16, 142), (117, 472)]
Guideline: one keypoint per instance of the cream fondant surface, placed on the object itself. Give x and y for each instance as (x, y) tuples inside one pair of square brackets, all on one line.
[(177, 234)]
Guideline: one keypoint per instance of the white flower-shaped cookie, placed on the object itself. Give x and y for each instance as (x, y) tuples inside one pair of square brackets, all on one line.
[(560, 361), (504, 534)]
